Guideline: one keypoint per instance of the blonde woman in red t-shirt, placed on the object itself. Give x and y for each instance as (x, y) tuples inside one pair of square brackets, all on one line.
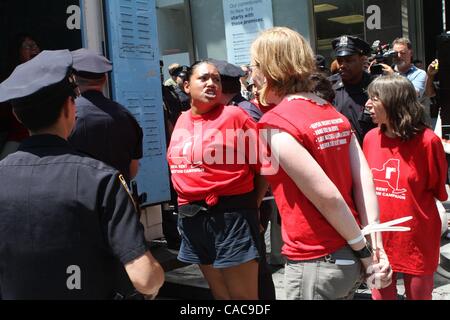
[(323, 189), (409, 168), (213, 171)]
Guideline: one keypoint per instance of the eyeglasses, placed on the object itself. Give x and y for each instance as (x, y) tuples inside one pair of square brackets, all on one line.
[(252, 67)]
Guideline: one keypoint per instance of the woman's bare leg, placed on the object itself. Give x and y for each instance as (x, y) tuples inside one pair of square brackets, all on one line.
[(216, 282), (242, 281)]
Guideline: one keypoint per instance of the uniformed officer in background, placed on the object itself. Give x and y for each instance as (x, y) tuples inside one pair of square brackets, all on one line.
[(231, 88), (350, 84), (104, 129), (68, 224)]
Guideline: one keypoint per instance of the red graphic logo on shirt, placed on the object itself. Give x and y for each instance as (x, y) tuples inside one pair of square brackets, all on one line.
[(188, 152), (389, 174)]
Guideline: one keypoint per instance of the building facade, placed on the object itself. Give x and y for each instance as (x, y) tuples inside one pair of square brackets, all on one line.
[(191, 30), (136, 34)]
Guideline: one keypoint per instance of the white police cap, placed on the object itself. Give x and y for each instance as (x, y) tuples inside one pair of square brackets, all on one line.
[(89, 64), (45, 70)]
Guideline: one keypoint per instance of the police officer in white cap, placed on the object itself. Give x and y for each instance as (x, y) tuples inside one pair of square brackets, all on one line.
[(104, 129), (350, 84), (69, 228)]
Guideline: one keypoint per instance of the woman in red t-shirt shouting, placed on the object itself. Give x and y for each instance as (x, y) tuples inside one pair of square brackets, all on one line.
[(409, 168), (323, 188), (213, 159)]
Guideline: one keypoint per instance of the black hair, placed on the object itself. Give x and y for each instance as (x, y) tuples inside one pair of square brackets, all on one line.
[(322, 87), (43, 108), (190, 70)]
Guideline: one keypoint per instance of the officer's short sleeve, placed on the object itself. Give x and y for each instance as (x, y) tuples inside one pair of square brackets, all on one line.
[(124, 232)]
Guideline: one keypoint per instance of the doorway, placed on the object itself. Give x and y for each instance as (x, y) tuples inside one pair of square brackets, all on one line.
[(54, 24)]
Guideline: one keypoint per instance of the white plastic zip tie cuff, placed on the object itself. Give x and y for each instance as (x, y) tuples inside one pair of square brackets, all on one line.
[(387, 226), (356, 240)]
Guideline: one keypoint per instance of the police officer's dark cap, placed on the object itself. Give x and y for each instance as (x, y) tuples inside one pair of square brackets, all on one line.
[(350, 45), (89, 64), (47, 72), (181, 71), (227, 69)]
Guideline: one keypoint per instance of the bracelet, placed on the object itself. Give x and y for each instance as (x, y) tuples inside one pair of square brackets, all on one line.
[(356, 240)]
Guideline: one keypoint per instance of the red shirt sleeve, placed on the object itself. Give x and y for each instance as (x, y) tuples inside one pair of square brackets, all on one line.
[(437, 166)]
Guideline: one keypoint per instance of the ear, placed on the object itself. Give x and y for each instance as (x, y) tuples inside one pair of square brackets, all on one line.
[(68, 105), (187, 87)]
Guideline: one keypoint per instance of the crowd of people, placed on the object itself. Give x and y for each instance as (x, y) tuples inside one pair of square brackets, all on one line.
[(340, 151)]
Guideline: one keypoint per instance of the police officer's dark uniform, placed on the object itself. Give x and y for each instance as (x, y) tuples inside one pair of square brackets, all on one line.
[(230, 75), (68, 225), (104, 129), (350, 99), (185, 99)]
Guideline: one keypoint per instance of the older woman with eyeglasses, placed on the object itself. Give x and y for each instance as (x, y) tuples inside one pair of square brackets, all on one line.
[(409, 167)]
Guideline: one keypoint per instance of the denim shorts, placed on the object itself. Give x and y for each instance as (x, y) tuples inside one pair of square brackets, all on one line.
[(221, 238)]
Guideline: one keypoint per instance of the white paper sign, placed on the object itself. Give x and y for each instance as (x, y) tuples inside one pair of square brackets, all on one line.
[(244, 20)]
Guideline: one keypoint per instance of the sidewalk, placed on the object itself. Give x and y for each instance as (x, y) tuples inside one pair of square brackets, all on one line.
[(187, 282)]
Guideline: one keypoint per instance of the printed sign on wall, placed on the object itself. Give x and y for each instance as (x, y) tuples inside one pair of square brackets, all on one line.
[(244, 20)]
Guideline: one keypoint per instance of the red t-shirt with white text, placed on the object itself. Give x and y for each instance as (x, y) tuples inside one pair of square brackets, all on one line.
[(208, 157), (408, 175), (326, 134)]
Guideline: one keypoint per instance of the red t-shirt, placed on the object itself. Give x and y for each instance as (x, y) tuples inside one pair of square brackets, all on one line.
[(263, 108), (408, 175), (326, 134), (209, 158)]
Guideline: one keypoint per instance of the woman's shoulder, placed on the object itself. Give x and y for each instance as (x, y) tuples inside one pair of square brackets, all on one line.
[(429, 136), (371, 136), (375, 132), (236, 112)]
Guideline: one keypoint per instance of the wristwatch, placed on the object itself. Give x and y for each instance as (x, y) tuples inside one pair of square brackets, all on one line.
[(365, 252)]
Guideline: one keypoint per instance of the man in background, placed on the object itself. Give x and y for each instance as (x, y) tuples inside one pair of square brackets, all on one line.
[(172, 81), (351, 82)]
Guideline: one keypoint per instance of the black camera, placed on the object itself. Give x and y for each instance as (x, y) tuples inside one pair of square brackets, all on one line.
[(382, 53), (376, 69)]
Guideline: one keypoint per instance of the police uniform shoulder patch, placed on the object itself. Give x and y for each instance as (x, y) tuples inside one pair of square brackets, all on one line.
[(127, 189)]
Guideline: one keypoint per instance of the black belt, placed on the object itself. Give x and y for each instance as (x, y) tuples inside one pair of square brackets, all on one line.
[(240, 201)]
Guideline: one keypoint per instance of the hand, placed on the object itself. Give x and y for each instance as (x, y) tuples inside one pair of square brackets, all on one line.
[(378, 270), (385, 268), (433, 68), (387, 70)]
